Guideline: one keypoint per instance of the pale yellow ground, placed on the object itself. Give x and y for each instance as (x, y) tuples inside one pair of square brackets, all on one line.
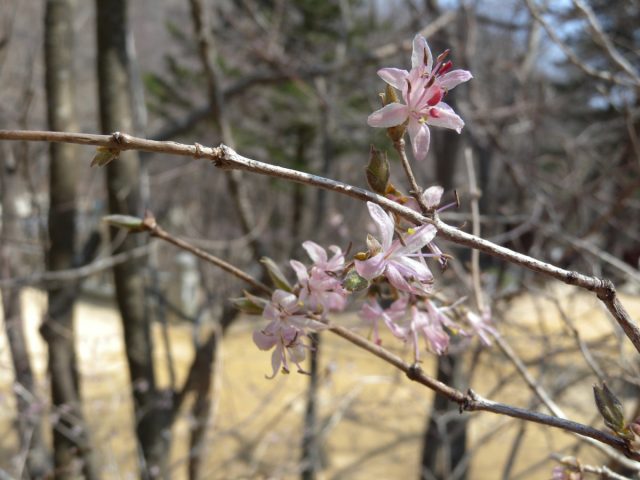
[(373, 417)]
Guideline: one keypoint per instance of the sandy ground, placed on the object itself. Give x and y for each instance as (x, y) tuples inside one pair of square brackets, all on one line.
[(373, 418)]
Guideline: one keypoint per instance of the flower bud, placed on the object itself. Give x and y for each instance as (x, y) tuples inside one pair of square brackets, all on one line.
[(247, 305), (378, 171), (611, 410), (277, 277), (354, 282), (127, 222)]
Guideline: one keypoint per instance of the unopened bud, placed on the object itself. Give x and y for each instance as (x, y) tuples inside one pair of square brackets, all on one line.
[(378, 171), (611, 410), (247, 305), (127, 222), (277, 277), (354, 282)]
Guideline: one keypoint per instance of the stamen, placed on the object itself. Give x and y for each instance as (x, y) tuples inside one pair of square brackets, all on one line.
[(443, 55)]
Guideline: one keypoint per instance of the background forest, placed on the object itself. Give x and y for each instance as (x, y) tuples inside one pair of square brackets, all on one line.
[(121, 356)]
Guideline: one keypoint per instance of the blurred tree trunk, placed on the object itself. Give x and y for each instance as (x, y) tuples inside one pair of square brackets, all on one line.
[(445, 438), (29, 407), (70, 436), (123, 185)]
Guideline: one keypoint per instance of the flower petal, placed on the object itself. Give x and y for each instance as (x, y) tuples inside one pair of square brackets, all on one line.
[(418, 239), (384, 222), (395, 77), (421, 51), (262, 341), (301, 271), (315, 251), (409, 267), (420, 139), (454, 78), (397, 279), (389, 116), (371, 268), (445, 117)]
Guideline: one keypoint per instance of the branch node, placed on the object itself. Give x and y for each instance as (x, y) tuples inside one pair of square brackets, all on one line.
[(220, 157), (118, 138), (414, 372), (198, 151), (606, 291), (572, 278), (469, 401)]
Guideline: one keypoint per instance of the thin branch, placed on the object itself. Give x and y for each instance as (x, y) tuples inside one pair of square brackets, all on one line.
[(573, 58), (155, 230), (225, 158), (469, 401), (416, 191), (51, 279), (604, 40), (475, 215)]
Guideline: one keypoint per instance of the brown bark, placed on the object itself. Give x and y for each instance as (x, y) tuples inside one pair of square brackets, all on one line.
[(70, 436), (123, 188)]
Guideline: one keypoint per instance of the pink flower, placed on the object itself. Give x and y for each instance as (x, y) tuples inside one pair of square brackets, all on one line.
[(431, 324), (320, 259), (372, 312), (422, 91), (432, 331), (285, 331), (392, 258), (319, 292)]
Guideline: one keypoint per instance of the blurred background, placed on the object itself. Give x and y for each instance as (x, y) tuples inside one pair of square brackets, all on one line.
[(120, 356)]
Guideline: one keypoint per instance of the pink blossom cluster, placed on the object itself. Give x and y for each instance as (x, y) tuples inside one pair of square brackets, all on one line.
[(398, 262), (291, 313), (393, 269)]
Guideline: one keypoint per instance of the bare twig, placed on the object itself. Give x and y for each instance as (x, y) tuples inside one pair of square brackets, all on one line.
[(225, 158), (573, 58), (53, 278), (155, 230), (475, 215), (606, 43)]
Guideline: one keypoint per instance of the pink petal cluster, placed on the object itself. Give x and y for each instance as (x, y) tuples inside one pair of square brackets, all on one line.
[(372, 312), (285, 331), (320, 289), (423, 88), (392, 258)]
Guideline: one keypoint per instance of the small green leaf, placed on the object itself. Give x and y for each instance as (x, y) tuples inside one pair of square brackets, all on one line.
[(276, 275), (104, 156), (128, 222)]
